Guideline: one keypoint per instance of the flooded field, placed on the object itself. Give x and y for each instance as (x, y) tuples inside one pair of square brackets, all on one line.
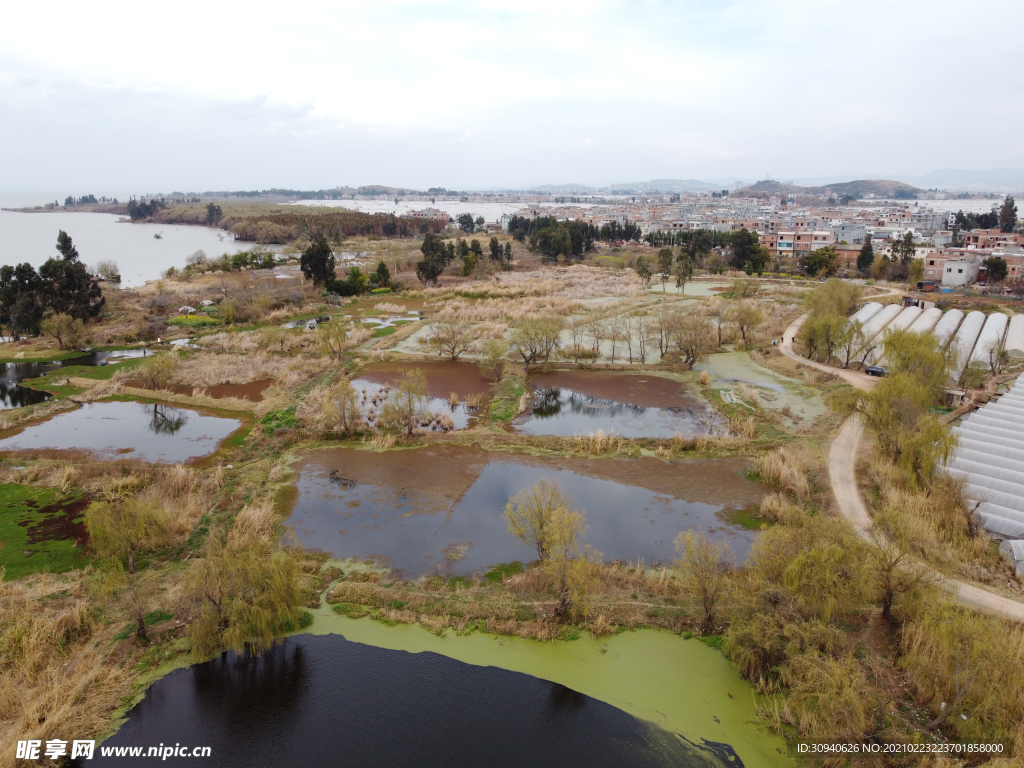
[(567, 403), (324, 700), (13, 395), (126, 430), (252, 391), (439, 508), (728, 370), (443, 378)]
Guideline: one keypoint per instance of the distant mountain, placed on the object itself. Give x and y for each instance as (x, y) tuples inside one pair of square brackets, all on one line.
[(667, 185), (858, 189), (994, 180), (566, 189)]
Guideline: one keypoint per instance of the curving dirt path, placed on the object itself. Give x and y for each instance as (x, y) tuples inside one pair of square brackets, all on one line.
[(842, 457)]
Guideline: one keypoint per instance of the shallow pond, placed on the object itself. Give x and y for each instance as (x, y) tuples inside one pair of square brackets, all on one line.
[(126, 430), (251, 391), (13, 395), (439, 509), (443, 379), (567, 403), (775, 390), (324, 700)]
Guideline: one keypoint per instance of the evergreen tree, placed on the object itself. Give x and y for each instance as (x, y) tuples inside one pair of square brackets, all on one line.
[(317, 262), (66, 286), (20, 306), (1008, 215), (435, 258), (495, 249), (741, 249), (866, 258), (383, 275)]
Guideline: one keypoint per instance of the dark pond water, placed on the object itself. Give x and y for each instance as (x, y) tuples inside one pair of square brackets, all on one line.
[(439, 509), (13, 395), (127, 430), (325, 701), (571, 403)]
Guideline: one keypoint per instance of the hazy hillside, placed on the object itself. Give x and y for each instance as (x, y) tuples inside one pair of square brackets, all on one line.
[(859, 189)]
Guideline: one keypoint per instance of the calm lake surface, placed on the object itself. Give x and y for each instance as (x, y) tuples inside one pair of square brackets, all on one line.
[(140, 256), (326, 701), (13, 395), (439, 509), (127, 430)]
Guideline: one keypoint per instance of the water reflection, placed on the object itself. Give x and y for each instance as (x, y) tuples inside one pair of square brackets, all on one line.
[(13, 395), (441, 511), (166, 420), (133, 430), (566, 412), (327, 701)]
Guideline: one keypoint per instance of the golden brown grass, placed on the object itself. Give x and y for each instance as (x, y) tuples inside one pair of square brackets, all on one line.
[(781, 469)]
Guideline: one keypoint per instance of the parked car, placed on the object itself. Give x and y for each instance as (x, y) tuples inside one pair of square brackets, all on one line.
[(876, 370)]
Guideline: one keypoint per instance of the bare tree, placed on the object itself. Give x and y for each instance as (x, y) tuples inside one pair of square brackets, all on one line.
[(536, 338), (452, 336)]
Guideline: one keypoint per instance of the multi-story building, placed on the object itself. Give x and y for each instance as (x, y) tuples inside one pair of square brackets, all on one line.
[(990, 239), (805, 242), (851, 232)]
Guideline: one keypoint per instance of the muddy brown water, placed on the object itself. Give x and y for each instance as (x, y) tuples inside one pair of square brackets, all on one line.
[(439, 508), (252, 391), (567, 403), (443, 378)]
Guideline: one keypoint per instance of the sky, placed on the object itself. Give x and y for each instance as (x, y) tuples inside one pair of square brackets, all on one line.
[(128, 97)]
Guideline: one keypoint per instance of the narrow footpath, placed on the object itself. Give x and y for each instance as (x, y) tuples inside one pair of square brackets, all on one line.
[(842, 460)]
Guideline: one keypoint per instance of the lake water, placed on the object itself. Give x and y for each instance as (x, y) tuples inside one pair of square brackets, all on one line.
[(13, 395), (147, 432), (32, 237), (439, 509), (567, 403), (326, 701)]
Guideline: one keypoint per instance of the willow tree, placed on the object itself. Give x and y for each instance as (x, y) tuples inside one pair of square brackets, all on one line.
[(406, 403), (340, 408), (123, 528), (244, 591), (704, 566), (158, 369), (531, 513)]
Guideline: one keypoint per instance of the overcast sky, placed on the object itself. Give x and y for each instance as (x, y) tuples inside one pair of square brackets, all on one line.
[(117, 97)]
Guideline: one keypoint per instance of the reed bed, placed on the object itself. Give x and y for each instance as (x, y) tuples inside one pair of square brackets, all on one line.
[(781, 469)]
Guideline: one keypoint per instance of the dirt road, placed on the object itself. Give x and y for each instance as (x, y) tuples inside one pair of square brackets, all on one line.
[(842, 459)]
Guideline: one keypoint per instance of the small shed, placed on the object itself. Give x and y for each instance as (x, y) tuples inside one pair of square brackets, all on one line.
[(954, 397)]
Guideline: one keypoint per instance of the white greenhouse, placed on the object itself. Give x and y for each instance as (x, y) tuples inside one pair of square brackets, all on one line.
[(990, 458), (989, 341), (866, 312), (1015, 337), (947, 326), (963, 342), (926, 320)]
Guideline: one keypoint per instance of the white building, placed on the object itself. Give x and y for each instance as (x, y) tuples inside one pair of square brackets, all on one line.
[(960, 272)]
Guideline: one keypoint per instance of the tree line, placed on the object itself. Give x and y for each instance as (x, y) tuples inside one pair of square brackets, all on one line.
[(438, 255), (62, 288)]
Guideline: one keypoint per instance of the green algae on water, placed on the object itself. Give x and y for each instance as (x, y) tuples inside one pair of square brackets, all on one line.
[(683, 687)]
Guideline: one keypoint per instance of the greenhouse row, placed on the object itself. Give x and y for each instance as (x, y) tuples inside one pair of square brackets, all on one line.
[(990, 458), (976, 339)]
